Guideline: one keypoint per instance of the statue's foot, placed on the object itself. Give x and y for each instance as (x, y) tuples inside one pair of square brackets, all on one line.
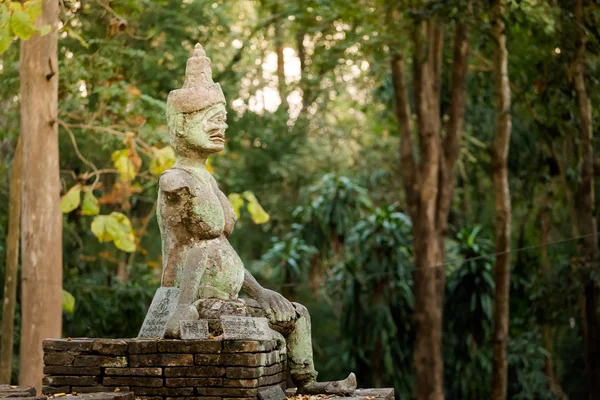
[(343, 387)]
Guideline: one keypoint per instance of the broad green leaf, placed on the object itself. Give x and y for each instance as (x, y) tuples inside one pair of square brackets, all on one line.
[(33, 9), (237, 202), (21, 25), (90, 203), (257, 213), (123, 164), (162, 160), (6, 37), (209, 167), (44, 30), (68, 302), (71, 199), (116, 228), (15, 6)]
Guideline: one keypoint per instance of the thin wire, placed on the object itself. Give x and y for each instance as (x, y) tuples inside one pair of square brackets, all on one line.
[(517, 250)]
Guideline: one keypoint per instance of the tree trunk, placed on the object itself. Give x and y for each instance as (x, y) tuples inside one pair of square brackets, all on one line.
[(12, 262), (503, 210), (278, 40), (547, 328), (428, 314), (41, 222), (586, 217)]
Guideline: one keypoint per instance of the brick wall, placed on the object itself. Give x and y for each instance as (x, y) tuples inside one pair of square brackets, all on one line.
[(163, 369)]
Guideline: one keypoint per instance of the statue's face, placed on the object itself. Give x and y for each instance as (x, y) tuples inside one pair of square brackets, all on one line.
[(202, 131)]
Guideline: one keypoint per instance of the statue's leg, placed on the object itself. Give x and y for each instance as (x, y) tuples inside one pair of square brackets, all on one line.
[(300, 355), (193, 269), (299, 346)]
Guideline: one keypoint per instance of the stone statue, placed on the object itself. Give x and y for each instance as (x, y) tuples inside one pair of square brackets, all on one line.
[(195, 219)]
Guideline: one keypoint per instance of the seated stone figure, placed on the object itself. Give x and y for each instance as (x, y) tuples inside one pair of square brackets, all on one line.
[(195, 219)]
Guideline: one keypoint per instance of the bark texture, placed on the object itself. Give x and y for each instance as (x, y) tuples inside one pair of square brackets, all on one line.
[(429, 183), (503, 209), (12, 262), (41, 222), (586, 218)]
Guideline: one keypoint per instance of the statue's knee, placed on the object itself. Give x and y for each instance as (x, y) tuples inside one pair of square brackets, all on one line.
[(302, 311)]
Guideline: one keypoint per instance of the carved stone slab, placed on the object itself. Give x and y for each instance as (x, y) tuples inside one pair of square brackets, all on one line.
[(246, 328), (272, 393), (162, 308), (194, 329)]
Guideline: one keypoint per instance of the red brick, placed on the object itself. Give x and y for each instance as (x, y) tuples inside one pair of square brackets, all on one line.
[(206, 371), (82, 344), (161, 360), (189, 346), (132, 381), (111, 347), (195, 382), (133, 371)]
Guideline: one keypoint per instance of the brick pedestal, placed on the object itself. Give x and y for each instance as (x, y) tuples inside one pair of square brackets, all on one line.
[(164, 369)]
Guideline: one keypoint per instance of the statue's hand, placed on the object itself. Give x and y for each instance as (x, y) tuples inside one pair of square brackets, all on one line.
[(277, 307)]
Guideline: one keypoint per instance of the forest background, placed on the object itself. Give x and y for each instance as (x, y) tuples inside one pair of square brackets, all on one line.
[(316, 170)]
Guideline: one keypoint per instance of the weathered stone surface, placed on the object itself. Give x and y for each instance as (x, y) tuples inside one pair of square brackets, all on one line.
[(142, 346), (206, 371), (248, 346), (237, 359), (16, 391), (243, 383), (75, 345), (162, 360), (28, 398), (54, 390), (244, 372), (133, 371), (253, 372), (226, 392), (107, 396), (161, 310), (132, 381), (163, 391), (149, 398), (194, 329), (60, 370), (271, 379), (99, 388), (195, 382), (194, 398), (58, 358), (246, 328), (112, 347), (272, 393), (99, 361), (189, 346), (63, 380)]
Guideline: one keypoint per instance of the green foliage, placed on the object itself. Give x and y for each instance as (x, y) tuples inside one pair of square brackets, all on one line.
[(18, 20), (116, 228)]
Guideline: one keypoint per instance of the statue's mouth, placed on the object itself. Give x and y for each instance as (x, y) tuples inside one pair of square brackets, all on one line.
[(217, 137)]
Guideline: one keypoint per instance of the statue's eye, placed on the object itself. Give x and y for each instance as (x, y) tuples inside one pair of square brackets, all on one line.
[(218, 119)]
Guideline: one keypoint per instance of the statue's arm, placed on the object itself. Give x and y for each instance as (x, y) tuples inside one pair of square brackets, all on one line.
[(276, 307)]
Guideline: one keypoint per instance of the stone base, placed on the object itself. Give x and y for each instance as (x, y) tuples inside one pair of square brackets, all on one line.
[(164, 369), (359, 394)]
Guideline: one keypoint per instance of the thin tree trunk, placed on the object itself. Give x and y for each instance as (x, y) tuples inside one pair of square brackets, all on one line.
[(408, 167), (12, 262), (41, 222), (503, 209), (428, 314), (278, 39), (587, 221), (547, 328)]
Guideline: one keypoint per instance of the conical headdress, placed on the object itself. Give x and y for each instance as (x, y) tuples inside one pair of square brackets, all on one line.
[(198, 91)]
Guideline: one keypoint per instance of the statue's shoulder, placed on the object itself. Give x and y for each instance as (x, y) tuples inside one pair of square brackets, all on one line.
[(175, 179)]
